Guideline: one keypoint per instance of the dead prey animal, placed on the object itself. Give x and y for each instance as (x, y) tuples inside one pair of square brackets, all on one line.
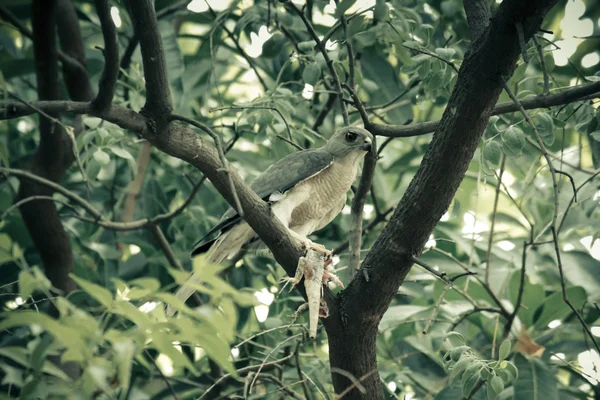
[(312, 268)]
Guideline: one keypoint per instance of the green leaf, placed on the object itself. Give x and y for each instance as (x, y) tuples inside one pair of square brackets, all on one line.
[(103, 296), (445, 53), (497, 384), (595, 135), (101, 157), (536, 381), (20, 356), (311, 73), (342, 7), (513, 139), (78, 350), (306, 46), (545, 127), (504, 350), (32, 280), (492, 152), (381, 11), (555, 308)]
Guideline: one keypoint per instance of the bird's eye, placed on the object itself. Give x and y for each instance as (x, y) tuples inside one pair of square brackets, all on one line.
[(351, 136)]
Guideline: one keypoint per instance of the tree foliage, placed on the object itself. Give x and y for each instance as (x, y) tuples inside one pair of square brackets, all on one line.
[(502, 301)]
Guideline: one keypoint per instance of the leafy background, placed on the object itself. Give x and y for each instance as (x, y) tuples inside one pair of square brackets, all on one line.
[(113, 328)]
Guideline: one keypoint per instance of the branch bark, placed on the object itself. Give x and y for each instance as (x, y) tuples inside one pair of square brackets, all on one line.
[(488, 62), (158, 95), (106, 90), (75, 75), (51, 158)]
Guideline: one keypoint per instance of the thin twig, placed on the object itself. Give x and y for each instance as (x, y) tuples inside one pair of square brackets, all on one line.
[(253, 107), (33, 198), (323, 50), (522, 42), (436, 307), (542, 64), (240, 371), (269, 355), (224, 164), (54, 186), (493, 223)]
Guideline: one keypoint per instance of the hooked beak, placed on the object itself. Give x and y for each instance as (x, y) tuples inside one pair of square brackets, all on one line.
[(367, 145)]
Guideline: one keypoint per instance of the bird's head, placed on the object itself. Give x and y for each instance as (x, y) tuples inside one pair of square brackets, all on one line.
[(350, 141)]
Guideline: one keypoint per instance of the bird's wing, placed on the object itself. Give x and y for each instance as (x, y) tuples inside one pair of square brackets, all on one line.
[(278, 178)]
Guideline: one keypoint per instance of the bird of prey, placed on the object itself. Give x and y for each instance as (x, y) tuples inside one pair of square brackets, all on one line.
[(306, 191)]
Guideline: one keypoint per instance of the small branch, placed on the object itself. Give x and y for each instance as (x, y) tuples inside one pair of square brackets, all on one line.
[(494, 210), (241, 371), (33, 198), (287, 126), (323, 50), (407, 89), (436, 307), (135, 187), (324, 112), (25, 175), (358, 202), (522, 41), (542, 64), (224, 164), (432, 54), (245, 56), (108, 81), (513, 315), (299, 370)]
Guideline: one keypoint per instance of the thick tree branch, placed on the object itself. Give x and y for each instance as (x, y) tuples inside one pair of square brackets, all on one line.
[(489, 60), (75, 75), (106, 89), (478, 16), (72, 66), (51, 158), (158, 94)]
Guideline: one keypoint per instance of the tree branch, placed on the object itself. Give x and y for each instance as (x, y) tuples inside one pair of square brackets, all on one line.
[(75, 74), (158, 94), (108, 81), (430, 193), (478, 16)]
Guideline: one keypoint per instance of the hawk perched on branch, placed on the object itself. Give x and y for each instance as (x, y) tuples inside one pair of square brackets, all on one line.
[(306, 190)]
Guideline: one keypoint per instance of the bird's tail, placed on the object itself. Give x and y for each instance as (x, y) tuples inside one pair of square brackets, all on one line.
[(226, 246)]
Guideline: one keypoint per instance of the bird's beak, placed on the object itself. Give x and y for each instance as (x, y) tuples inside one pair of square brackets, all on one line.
[(367, 145)]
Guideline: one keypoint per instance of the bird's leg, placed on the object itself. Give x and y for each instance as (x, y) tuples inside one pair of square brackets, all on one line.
[(330, 276), (308, 244)]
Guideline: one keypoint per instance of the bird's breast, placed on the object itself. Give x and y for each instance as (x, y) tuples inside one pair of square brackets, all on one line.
[(326, 189)]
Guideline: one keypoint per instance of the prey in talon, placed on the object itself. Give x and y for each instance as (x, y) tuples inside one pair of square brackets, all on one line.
[(311, 267), (305, 190)]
